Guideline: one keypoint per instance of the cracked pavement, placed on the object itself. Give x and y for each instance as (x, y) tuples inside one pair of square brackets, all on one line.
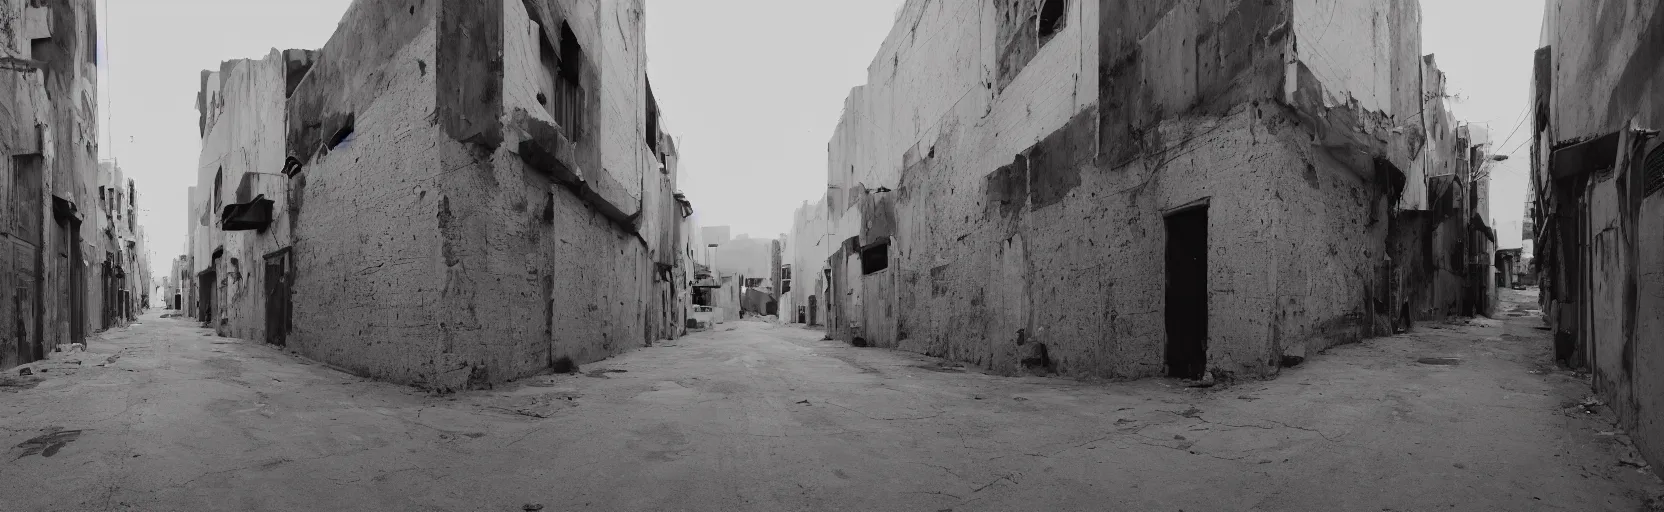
[(770, 418)]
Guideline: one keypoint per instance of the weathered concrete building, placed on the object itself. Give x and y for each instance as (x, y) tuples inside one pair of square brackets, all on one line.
[(48, 135), (180, 278), (449, 193), (808, 247), (240, 204), (123, 272), (1598, 167), (1127, 189)]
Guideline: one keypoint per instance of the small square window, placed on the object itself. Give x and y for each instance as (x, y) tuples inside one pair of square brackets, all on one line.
[(875, 257)]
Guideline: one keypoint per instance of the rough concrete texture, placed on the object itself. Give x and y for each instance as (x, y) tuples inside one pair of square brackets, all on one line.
[(1467, 416), (1272, 291), (370, 267), (1597, 76)]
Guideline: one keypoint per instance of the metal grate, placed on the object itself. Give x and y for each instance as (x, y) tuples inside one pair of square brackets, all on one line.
[(1653, 169)]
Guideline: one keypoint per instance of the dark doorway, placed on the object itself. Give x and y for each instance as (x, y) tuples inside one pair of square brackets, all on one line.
[(106, 293), (277, 297), (68, 262), (205, 296), (28, 323), (1187, 293), (812, 312)]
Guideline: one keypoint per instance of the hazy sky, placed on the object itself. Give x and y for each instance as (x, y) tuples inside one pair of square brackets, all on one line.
[(752, 88)]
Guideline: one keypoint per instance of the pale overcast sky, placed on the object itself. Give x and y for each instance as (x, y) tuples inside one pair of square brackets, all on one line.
[(753, 89)]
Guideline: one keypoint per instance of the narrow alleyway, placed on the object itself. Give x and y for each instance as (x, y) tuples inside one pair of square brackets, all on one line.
[(164, 416)]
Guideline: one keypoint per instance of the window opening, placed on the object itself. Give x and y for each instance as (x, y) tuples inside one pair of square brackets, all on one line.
[(219, 180), (875, 258), (1051, 19), (562, 96), (342, 135)]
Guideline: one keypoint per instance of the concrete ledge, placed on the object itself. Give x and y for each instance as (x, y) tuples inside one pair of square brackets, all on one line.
[(547, 150)]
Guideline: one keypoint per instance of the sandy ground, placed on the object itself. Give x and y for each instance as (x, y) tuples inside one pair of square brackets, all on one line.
[(165, 416)]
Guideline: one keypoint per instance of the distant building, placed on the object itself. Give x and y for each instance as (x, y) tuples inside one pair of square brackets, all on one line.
[(124, 262)]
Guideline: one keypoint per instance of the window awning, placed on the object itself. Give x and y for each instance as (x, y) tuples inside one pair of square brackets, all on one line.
[(1597, 154), (255, 214)]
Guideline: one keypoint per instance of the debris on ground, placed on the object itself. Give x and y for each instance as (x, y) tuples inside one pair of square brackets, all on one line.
[(14, 384), (602, 372), (941, 367), (1440, 361), (1589, 405), (537, 406), (25, 371), (533, 507), (804, 402)]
